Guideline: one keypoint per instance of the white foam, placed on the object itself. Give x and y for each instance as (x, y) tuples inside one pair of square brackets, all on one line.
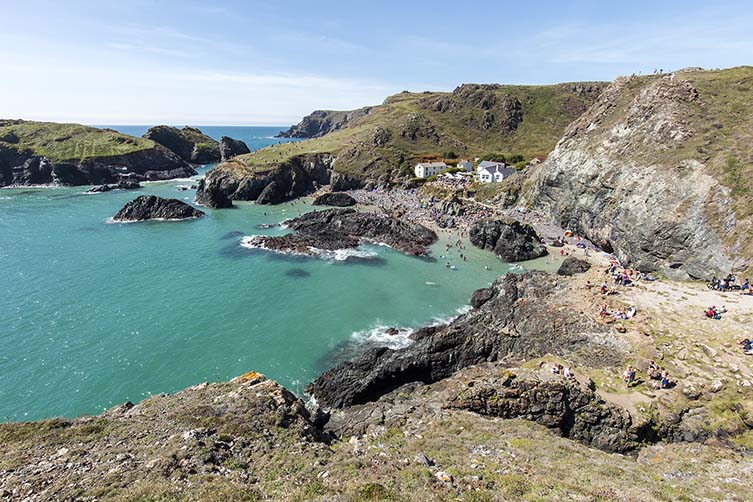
[(378, 337), (344, 254), (338, 255)]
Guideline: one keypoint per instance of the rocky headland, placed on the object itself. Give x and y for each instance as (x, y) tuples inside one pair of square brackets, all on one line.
[(151, 207), (44, 153), (335, 229)]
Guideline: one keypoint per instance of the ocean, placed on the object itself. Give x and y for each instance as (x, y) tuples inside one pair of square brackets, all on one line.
[(93, 314)]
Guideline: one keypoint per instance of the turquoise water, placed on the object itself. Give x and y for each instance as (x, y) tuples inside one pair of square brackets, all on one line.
[(93, 314)]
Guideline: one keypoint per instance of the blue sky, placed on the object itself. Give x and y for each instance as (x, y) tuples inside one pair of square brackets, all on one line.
[(271, 62)]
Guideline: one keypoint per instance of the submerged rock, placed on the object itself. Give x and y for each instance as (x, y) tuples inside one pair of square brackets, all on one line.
[(510, 240), (151, 207), (335, 229), (337, 199), (121, 185)]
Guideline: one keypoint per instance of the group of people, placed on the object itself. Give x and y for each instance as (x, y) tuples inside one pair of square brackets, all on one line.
[(715, 313), (728, 283), (654, 372), (558, 369), (617, 314), (747, 346)]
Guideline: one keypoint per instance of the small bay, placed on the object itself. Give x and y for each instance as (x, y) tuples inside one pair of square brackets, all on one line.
[(93, 313)]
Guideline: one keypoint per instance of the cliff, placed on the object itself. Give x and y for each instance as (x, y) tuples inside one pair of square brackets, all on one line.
[(659, 171), (46, 153), (188, 143), (321, 122)]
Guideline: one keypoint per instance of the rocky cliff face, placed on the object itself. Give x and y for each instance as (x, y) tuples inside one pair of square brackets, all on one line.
[(293, 178), (321, 122), (188, 143), (23, 167), (636, 174), (515, 319), (230, 147), (510, 240)]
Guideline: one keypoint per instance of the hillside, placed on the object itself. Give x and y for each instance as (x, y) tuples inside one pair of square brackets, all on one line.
[(68, 142), (42, 153), (375, 142), (660, 169)]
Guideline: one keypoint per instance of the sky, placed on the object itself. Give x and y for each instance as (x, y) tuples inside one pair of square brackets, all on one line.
[(272, 62)]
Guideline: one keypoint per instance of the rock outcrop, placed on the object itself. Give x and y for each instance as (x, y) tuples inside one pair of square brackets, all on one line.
[(295, 177), (151, 207), (510, 240), (121, 185), (321, 122), (639, 175), (21, 167), (516, 319), (334, 229), (230, 147), (569, 408), (572, 265), (189, 143), (337, 199)]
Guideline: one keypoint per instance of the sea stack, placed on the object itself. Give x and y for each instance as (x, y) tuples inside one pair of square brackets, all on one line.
[(151, 207)]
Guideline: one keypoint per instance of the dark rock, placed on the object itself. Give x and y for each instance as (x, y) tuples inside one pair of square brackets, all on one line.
[(298, 176), (321, 122), (121, 185), (212, 196), (272, 194), (481, 296), (230, 147), (335, 229), (572, 265), (511, 240), (517, 322), (189, 143), (151, 207), (23, 167), (9, 137), (337, 199), (340, 182)]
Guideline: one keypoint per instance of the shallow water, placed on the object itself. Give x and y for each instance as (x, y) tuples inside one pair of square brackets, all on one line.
[(93, 314)]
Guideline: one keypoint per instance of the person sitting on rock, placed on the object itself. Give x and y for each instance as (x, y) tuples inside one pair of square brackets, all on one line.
[(745, 286), (664, 379), (604, 288), (569, 373)]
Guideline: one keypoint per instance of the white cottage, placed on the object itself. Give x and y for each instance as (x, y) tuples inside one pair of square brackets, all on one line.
[(494, 173), (426, 169)]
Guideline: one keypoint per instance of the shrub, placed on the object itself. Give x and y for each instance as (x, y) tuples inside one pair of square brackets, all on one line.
[(494, 157), (450, 155)]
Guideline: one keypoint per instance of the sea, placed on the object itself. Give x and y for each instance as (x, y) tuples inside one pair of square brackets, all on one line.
[(95, 313)]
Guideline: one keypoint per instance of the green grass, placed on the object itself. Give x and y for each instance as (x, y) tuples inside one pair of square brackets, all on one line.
[(69, 142), (547, 110)]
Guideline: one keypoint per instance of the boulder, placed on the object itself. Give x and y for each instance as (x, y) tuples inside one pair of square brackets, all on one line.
[(510, 240), (121, 185), (151, 207), (338, 199), (230, 147), (572, 265), (340, 182)]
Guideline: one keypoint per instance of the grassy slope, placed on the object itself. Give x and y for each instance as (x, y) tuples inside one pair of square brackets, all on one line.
[(62, 142), (547, 110)]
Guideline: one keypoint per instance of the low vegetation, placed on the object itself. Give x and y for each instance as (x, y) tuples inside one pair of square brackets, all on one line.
[(64, 142)]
